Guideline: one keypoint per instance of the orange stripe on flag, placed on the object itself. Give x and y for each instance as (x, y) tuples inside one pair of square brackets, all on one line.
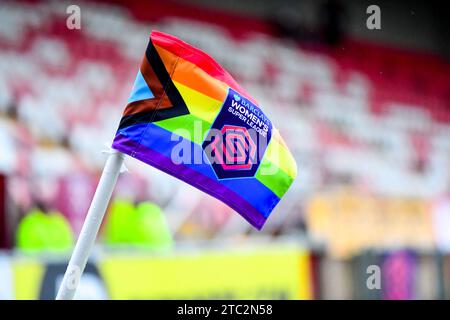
[(193, 77)]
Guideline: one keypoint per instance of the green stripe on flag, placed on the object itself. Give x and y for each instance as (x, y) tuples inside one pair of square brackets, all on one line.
[(188, 126), (195, 129), (273, 178)]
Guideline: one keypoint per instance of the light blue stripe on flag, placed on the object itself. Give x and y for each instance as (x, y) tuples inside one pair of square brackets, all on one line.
[(140, 90)]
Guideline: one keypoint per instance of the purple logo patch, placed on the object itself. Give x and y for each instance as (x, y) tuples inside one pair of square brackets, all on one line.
[(238, 138)]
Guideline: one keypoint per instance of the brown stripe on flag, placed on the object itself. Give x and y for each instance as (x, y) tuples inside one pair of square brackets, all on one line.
[(160, 100)]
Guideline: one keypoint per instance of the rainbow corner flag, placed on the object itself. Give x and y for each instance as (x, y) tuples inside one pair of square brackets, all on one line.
[(189, 118)]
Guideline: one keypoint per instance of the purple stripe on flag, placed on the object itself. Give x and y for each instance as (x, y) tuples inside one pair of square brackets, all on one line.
[(192, 177)]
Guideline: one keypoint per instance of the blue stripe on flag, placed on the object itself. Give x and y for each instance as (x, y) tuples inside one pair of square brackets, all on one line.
[(164, 141)]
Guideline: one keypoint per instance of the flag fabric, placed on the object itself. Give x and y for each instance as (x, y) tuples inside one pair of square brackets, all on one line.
[(189, 118)]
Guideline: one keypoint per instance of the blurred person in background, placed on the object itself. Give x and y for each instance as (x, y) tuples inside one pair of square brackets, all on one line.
[(143, 225), (40, 230)]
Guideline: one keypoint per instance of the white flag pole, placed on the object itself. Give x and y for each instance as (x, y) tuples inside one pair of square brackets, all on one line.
[(91, 226)]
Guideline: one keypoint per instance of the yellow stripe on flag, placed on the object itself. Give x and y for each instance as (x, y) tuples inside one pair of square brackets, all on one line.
[(200, 105), (278, 155)]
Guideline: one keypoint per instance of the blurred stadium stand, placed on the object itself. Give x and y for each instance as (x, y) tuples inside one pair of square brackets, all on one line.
[(368, 123)]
